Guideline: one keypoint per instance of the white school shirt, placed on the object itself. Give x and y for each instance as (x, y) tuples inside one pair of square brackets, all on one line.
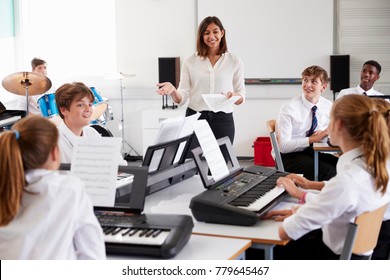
[(33, 107), (67, 140), (199, 77), (55, 221), (358, 90), (347, 195), (294, 121)]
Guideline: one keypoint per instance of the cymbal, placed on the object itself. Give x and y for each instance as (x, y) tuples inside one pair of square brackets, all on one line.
[(17, 83)]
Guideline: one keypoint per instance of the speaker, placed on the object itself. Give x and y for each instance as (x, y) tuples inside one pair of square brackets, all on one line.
[(169, 70), (339, 72)]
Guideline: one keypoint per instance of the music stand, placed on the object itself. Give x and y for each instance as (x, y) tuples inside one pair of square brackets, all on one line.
[(125, 144)]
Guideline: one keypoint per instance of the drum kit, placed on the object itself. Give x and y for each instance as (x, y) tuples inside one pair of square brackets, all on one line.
[(31, 83)]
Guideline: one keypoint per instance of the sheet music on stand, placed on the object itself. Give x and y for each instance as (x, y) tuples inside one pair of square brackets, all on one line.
[(172, 129), (211, 150), (95, 162)]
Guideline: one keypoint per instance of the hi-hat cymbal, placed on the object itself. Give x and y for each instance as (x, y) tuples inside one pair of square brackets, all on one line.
[(17, 83)]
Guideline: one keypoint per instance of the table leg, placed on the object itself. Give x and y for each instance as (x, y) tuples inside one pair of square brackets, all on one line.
[(268, 250), (315, 165)]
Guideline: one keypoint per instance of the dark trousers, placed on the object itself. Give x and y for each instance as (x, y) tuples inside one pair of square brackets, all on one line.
[(382, 249), (309, 247), (303, 163), (221, 124)]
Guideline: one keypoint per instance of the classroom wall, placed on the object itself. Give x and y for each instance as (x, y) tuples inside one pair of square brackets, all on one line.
[(160, 32), (148, 29)]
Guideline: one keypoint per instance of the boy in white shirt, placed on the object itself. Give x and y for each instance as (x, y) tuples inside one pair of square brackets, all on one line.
[(302, 121)]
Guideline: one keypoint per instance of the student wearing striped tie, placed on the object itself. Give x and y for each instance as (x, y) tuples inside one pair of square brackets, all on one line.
[(368, 76), (302, 121)]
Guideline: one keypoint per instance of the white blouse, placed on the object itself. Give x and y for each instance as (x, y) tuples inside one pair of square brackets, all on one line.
[(199, 77), (55, 221), (347, 195)]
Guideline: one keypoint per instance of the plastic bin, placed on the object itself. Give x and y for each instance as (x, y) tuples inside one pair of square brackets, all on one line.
[(262, 149)]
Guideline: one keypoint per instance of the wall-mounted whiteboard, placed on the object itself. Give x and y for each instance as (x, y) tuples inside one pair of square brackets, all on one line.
[(275, 38)]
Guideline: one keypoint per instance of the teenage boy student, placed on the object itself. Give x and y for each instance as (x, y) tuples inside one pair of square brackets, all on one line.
[(74, 102), (38, 66), (368, 76), (302, 121)]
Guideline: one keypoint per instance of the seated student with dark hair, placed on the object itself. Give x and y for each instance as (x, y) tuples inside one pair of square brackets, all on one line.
[(43, 214), (74, 102), (369, 74), (302, 121), (361, 184)]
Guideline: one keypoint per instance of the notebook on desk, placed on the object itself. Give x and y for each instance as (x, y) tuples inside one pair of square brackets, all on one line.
[(129, 231)]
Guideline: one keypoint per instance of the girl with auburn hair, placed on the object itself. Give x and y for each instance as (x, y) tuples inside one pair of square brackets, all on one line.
[(43, 214), (361, 184), (383, 107)]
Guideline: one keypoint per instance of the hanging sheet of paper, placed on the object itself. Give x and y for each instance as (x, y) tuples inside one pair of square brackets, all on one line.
[(95, 162), (211, 150), (219, 102), (172, 129)]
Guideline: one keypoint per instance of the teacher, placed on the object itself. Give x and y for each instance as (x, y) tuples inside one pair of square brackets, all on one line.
[(211, 70)]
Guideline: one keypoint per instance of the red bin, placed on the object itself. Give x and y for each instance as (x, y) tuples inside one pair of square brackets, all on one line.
[(263, 149)]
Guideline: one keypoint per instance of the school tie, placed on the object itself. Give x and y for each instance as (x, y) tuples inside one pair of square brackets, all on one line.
[(314, 121), (364, 93)]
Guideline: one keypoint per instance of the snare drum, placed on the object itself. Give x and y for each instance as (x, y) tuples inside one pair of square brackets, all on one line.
[(99, 107), (47, 105)]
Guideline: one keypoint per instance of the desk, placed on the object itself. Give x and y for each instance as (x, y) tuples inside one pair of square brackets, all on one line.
[(203, 248), (321, 147), (176, 199)]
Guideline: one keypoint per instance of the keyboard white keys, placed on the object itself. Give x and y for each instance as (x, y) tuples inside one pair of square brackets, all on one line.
[(142, 236), (262, 201)]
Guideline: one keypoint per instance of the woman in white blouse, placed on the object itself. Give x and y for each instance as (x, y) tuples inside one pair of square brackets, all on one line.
[(43, 214), (361, 184), (211, 70)]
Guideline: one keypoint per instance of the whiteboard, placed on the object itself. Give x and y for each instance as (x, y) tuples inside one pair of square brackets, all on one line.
[(275, 38)]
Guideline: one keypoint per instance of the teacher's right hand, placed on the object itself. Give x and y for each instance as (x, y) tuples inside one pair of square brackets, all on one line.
[(165, 88)]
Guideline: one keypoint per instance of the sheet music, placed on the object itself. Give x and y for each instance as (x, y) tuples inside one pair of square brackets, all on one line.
[(171, 129), (95, 162), (211, 150), (219, 102), (186, 129)]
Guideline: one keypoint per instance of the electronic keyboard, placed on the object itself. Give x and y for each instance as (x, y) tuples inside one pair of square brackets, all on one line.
[(240, 198), (154, 235)]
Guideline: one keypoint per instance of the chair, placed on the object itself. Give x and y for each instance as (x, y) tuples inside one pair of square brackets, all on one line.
[(274, 141), (104, 132), (362, 235)]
